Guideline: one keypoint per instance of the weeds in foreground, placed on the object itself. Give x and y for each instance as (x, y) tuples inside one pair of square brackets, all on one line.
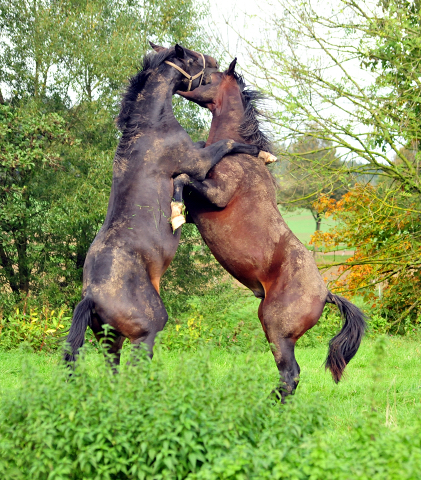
[(149, 422)]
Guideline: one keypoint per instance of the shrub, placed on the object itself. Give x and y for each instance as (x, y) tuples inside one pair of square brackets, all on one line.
[(144, 423), (152, 423), (38, 328), (227, 321)]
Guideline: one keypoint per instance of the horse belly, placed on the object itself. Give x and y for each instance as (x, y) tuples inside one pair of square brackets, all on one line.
[(244, 247)]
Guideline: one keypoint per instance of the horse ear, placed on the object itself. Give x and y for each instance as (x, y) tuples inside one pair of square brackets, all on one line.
[(157, 48), (231, 68), (179, 51)]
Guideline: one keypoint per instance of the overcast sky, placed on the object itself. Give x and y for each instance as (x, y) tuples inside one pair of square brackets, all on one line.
[(237, 13)]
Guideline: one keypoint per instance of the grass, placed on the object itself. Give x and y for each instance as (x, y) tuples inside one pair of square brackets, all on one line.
[(203, 389), (303, 225), (385, 377)]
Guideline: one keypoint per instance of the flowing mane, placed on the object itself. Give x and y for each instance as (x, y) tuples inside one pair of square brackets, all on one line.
[(250, 129), (137, 83)]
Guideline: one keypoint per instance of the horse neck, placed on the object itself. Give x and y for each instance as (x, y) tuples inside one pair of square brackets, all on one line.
[(154, 102), (227, 114)]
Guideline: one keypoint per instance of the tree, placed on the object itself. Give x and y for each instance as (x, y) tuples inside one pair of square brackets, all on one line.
[(352, 71), (63, 67), (29, 153), (382, 228), (353, 75), (310, 168)]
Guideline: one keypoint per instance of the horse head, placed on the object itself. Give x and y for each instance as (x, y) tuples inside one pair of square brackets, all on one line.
[(195, 66), (207, 95)]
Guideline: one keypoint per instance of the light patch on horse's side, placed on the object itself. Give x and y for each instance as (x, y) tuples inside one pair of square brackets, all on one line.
[(121, 164), (134, 138)]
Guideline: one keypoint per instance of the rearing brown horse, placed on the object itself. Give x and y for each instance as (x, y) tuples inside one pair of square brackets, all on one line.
[(237, 215)]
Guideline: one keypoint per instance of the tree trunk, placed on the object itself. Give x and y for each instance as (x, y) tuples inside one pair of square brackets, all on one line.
[(9, 272), (24, 271), (317, 217)]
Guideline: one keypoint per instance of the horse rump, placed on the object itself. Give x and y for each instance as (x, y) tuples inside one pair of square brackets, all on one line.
[(80, 322), (345, 344)]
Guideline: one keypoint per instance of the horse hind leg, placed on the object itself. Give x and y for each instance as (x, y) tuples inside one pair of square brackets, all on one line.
[(112, 341), (284, 324), (142, 331), (289, 370)]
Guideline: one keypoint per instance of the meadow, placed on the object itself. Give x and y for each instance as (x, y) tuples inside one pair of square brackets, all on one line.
[(201, 409), (386, 373), (302, 223)]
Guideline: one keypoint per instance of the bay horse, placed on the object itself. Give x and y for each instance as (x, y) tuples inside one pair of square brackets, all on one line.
[(236, 213), (135, 244)]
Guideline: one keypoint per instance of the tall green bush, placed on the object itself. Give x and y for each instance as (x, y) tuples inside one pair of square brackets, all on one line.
[(64, 66), (149, 422)]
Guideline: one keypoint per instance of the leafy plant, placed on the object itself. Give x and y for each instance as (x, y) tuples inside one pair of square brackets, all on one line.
[(384, 235), (225, 320), (39, 329), (150, 422)]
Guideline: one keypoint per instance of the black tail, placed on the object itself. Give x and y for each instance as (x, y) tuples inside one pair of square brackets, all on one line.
[(346, 343), (81, 319)]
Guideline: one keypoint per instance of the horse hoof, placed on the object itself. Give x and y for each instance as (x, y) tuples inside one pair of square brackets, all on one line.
[(176, 222), (177, 217), (267, 157)]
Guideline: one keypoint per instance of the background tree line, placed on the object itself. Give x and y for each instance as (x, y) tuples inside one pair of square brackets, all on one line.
[(63, 67)]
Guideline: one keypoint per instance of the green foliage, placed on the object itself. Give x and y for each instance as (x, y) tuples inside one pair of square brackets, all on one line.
[(143, 423), (29, 156), (352, 74), (151, 422), (373, 222), (193, 272), (309, 167), (225, 320), (64, 65), (350, 79), (39, 330)]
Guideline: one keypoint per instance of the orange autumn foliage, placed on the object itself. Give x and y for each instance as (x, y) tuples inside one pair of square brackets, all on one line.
[(383, 228)]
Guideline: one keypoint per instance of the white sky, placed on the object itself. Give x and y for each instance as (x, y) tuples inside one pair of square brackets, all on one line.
[(233, 11)]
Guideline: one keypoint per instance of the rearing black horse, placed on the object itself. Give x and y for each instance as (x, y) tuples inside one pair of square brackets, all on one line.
[(136, 244)]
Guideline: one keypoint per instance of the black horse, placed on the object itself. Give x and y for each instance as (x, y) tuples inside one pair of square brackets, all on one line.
[(136, 244)]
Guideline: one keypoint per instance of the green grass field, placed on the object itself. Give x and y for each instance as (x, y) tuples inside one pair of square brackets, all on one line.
[(391, 380), (302, 223), (205, 415)]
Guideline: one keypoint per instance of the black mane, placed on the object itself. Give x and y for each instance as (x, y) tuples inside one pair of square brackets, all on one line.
[(250, 129), (137, 82)]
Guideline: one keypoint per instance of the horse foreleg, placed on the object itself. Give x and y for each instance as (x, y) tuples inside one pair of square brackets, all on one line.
[(177, 206), (199, 161), (216, 190)]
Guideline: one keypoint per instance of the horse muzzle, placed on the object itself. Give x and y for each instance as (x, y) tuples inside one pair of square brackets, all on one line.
[(207, 77)]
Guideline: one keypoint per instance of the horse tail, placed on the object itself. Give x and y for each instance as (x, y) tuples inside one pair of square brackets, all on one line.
[(345, 344), (81, 319)]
